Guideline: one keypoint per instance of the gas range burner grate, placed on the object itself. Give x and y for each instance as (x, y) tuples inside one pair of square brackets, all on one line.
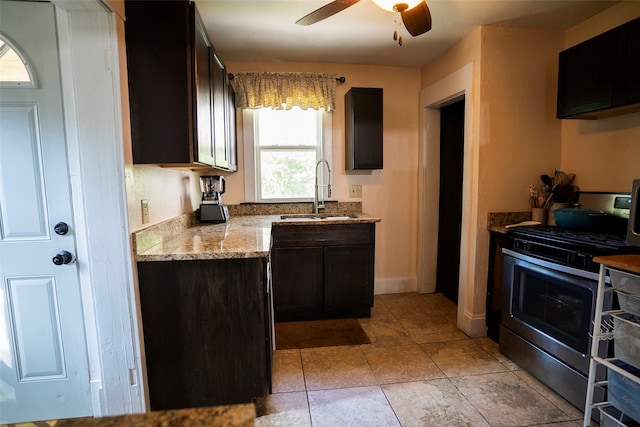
[(583, 240)]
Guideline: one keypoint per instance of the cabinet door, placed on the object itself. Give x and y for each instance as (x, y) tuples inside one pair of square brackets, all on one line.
[(231, 140), (205, 331), (627, 82), (219, 81), (297, 283), (363, 129), (493, 311), (159, 62), (202, 123), (585, 77), (348, 279)]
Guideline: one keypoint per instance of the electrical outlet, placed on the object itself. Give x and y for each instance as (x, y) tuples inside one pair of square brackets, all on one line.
[(145, 211), (355, 191)]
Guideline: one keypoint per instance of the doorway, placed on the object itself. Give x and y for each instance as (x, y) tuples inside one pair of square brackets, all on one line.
[(470, 317), (450, 199), (44, 360)]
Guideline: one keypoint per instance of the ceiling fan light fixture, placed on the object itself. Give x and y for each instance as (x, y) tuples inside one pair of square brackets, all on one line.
[(396, 5)]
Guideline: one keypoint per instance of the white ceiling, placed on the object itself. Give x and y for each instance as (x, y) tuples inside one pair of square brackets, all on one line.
[(265, 30)]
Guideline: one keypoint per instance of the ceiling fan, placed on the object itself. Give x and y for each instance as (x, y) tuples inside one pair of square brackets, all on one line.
[(415, 14)]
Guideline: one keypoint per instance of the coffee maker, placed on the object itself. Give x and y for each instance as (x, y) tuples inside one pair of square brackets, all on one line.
[(211, 207)]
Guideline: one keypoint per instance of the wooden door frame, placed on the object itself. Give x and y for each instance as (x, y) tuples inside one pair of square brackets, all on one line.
[(95, 151), (470, 317)]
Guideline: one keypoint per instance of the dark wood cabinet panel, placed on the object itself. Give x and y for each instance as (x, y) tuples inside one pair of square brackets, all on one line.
[(159, 39), (348, 276), (497, 241), (321, 235), (206, 331), (363, 128), (230, 127), (177, 87), (218, 83), (323, 271), (298, 274), (601, 76), (202, 124), (627, 89), (584, 82)]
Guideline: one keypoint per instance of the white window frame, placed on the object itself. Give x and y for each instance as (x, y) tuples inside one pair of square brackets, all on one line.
[(251, 155)]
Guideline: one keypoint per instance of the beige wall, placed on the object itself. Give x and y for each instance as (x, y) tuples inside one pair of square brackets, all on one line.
[(605, 153), (389, 193), (515, 137)]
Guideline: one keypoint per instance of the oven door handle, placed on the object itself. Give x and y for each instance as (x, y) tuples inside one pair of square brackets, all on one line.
[(553, 266)]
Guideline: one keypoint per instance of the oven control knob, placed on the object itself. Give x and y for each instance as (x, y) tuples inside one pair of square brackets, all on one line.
[(581, 259)]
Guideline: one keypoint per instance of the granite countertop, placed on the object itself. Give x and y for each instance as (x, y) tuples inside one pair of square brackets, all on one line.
[(218, 416), (629, 263), (497, 221), (244, 236)]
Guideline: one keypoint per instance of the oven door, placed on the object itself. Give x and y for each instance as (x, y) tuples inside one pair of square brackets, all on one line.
[(551, 306)]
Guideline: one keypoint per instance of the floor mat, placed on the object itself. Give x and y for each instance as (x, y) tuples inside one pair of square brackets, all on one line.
[(320, 333)]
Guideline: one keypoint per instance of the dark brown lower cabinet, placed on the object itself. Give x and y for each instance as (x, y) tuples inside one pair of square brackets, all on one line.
[(206, 331), (348, 276), (323, 271), (493, 311)]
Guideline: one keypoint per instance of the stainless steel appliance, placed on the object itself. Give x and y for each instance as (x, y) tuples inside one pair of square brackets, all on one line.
[(549, 295), (633, 229), (211, 208)]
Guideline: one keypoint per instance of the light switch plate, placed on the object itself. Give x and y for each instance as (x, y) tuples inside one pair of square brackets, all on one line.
[(355, 191), (145, 211)]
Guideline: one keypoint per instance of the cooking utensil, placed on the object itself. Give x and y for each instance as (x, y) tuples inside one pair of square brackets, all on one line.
[(579, 218)]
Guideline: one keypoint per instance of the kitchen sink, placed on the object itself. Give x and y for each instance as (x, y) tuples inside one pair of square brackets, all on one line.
[(319, 216)]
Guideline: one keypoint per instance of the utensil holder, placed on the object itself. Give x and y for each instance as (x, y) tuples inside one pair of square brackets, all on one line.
[(540, 215)]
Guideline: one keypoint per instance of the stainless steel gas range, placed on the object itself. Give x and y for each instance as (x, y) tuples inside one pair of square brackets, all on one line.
[(549, 295)]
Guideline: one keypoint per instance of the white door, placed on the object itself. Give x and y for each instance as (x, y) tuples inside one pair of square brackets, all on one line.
[(44, 370)]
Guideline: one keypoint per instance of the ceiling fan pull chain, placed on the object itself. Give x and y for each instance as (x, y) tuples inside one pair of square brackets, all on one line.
[(395, 28), (398, 35)]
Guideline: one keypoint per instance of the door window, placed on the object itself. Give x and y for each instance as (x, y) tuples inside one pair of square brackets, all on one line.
[(14, 70)]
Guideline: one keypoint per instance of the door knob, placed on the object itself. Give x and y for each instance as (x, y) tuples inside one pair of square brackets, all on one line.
[(63, 257), (61, 228)]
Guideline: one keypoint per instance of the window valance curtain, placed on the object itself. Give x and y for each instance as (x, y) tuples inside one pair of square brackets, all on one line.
[(285, 90)]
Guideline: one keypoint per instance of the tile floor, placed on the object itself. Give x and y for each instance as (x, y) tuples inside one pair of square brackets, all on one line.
[(419, 370)]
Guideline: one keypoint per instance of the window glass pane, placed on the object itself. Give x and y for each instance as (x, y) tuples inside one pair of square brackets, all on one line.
[(287, 127), (12, 69), (287, 173)]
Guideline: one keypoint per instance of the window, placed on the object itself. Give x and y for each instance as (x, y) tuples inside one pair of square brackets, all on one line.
[(282, 148), (14, 71)]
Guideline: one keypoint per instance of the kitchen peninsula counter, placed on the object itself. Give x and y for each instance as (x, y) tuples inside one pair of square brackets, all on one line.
[(215, 293), (244, 236), (219, 416)]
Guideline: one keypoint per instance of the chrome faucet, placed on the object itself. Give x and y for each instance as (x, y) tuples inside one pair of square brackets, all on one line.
[(318, 200)]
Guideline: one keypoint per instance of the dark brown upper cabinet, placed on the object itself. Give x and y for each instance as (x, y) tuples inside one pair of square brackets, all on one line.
[(363, 128), (175, 79), (224, 117), (601, 76)]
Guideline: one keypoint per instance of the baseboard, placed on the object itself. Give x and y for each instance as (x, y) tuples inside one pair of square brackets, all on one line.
[(395, 285), (474, 326)]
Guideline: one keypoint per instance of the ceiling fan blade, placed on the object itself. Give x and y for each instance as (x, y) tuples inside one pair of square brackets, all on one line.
[(418, 19), (326, 11)]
